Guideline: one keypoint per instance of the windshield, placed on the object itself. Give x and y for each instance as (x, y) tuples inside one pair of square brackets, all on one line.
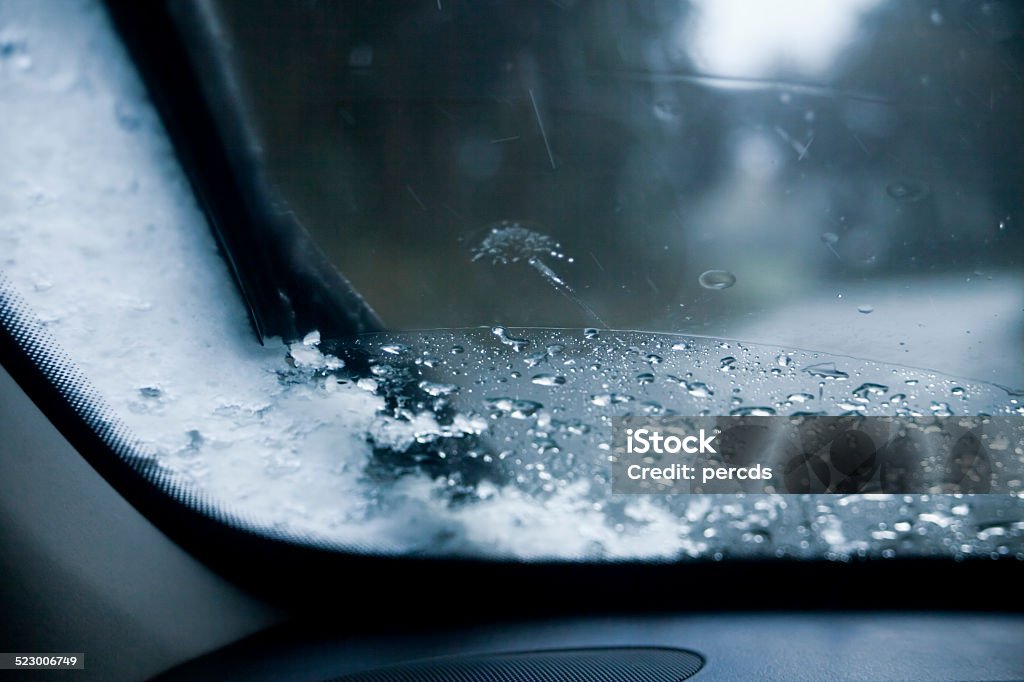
[(600, 210), (841, 176)]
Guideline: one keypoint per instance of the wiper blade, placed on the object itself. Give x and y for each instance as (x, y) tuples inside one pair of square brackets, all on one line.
[(289, 284)]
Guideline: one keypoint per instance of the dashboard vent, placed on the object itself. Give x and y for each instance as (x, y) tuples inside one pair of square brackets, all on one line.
[(578, 665)]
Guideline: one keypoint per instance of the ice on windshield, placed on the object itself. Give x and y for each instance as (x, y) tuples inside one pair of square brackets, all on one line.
[(483, 441)]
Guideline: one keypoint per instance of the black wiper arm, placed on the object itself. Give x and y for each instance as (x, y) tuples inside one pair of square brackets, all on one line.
[(290, 285)]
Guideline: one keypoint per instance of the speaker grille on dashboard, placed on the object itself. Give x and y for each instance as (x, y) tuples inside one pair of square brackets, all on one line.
[(578, 665)]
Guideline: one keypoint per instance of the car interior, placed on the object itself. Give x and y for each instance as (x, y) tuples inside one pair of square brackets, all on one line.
[(480, 340)]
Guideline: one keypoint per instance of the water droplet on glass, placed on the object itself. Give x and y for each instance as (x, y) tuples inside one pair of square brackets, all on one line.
[(717, 280), (517, 409), (534, 359), (866, 309), (830, 238), (437, 390), (394, 348), (697, 389), (382, 370), (524, 409), (652, 407), (548, 380), (498, 404), (784, 360), (907, 190), (591, 333), (752, 412), (867, 390), (516, 344), (827, 370), (799, 397), (607, 399), (645, 378), (545, 446)]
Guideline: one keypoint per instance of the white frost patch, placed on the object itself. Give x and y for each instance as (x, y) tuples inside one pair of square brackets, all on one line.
[(306, 353)]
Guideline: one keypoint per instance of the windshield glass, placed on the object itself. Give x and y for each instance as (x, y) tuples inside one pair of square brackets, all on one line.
[(839, 176), (809, 210)]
